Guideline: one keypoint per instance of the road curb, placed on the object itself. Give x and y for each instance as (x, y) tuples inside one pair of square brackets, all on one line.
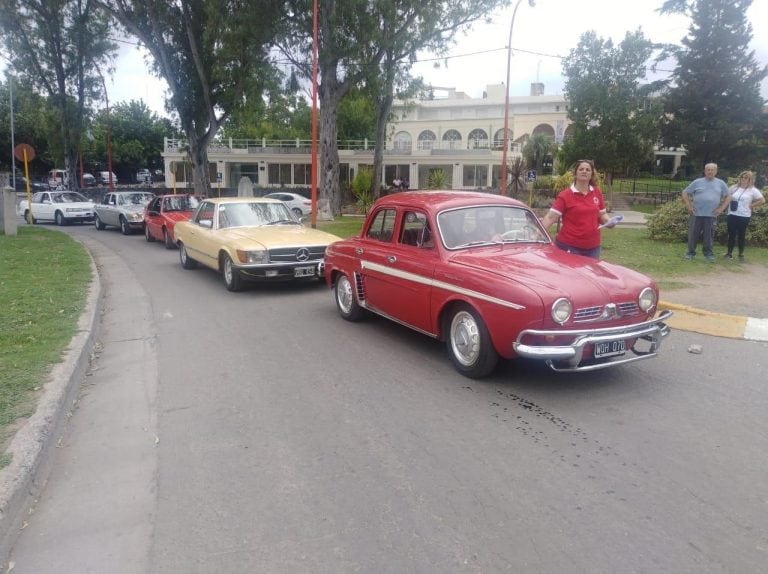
[(31, 448), (687, 318)]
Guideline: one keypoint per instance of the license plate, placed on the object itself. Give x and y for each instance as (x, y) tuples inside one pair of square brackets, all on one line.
[(304, 271), (609, 349)]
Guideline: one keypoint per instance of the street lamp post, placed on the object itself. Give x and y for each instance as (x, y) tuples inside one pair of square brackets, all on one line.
[(109, 130), (503, 180)]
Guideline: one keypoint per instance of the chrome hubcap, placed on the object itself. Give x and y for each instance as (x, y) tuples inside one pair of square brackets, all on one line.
[(344, 294), (465, 338), (227, 271)]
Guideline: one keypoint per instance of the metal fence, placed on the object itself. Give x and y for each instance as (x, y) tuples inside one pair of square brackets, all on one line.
[(656, 191)]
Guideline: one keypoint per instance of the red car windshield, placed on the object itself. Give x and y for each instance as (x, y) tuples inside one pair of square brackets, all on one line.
[(489, 224)]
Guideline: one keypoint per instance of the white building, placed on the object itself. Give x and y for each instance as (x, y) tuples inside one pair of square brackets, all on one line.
[(452, 133)]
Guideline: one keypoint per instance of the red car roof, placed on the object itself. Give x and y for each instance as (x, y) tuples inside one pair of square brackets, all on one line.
[(439, 200)]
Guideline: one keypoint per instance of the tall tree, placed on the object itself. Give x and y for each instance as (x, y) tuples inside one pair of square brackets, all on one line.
[(615, 119), (137, 135), (368, 41), (31, 122), (214, 55), (277, 116), (714, 107), (60, 45)]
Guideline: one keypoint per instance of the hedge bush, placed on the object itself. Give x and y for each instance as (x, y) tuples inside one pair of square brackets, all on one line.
[(670, 223)]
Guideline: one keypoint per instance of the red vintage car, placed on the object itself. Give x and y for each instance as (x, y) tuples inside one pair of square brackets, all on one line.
[(162, 213), (479, 272)]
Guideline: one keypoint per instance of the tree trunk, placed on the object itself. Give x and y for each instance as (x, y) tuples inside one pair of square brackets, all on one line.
[(330, 92), (198, 157), (383, 107)]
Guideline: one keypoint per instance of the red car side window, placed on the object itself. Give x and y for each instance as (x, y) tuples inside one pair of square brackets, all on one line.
[(415, 230), (382, 226)]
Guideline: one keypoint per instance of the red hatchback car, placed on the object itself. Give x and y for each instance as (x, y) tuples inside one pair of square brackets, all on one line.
[(479, 272), (162, 213)]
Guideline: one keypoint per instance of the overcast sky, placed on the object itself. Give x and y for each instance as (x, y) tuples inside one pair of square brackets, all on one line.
[(542, 35)]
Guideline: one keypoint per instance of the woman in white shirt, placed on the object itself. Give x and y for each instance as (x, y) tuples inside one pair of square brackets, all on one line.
[(743, 197)]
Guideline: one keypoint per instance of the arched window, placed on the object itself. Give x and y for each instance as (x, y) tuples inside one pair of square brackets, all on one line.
[(426, 140), (544, 129), (402, 141), (477, 139), (453, 139)]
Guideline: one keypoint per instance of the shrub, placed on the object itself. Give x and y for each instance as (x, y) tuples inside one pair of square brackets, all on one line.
[(437, 179), (670, 223), (562, 181), (544, 184), (362, 189)]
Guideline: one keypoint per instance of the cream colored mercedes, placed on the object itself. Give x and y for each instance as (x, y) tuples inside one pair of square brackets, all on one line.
[(251, 239)]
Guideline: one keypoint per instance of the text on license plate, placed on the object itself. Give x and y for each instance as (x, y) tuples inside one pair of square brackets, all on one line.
[(304, 271), (609, 349)]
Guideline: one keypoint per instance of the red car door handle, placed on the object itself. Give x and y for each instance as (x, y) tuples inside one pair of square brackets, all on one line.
[(391, 259), (358, 250)]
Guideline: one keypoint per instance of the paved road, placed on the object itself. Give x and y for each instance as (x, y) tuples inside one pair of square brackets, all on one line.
[(258, 432)]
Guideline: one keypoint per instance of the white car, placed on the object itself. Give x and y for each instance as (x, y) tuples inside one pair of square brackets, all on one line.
[(63, 207), (103, 178), (298, 204), (143, 176)]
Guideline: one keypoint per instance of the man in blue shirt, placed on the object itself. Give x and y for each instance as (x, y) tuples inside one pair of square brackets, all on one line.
[(705, 198)]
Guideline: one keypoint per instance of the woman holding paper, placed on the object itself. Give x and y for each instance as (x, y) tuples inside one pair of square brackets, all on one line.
[(582, 210), (743, 197)]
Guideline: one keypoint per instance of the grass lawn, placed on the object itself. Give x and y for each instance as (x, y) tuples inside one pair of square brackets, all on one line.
[(43, 279)]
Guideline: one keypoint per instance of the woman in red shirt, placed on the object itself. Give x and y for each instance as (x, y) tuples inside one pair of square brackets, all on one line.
[(582, 210)]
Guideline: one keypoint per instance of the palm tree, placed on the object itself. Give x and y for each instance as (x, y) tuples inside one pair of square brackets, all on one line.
[(516, 177), (537, 148)]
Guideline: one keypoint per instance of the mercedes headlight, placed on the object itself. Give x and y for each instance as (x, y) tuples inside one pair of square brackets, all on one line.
[(647, 299), (252, 256), (561, 310), (135, 216)]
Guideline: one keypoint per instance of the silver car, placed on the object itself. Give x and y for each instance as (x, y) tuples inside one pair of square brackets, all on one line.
[(123, 209)]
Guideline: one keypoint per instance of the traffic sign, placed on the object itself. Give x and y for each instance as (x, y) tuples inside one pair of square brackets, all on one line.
[(531, 176), (19, 150)]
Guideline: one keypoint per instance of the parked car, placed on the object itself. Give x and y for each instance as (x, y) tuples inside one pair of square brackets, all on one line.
[(34, 186), (163, 212), (87, 180), (251, 239), (425, 260), (299, 204), (143, 176), (58, 179), (103, 178), (63, 207), (123, 209)]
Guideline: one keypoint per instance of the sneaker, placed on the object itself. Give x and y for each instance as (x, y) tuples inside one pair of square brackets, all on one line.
[(741, 258), (728, 256), (711, 258), (689, 256)]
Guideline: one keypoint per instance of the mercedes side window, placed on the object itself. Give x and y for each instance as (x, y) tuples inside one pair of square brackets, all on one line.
[(205, 214)]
